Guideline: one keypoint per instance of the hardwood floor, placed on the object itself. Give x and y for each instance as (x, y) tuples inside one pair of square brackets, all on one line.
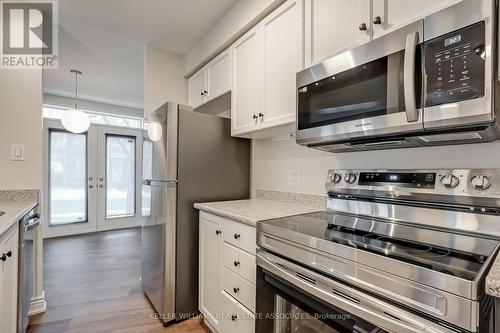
[(92, 285)]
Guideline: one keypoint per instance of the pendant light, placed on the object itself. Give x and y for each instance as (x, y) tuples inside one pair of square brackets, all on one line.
[(74, 120)]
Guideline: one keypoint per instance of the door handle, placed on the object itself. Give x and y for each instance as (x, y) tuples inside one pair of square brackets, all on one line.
[(409, 77)]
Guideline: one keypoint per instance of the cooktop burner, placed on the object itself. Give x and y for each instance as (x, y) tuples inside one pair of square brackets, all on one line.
[(436, 250)]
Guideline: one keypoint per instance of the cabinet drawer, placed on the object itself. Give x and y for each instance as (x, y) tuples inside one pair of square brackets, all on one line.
[(237, 319), (240, 235), (242, 290), (239, 262)]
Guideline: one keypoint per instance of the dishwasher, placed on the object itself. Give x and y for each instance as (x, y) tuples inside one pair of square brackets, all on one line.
[(27, 227)]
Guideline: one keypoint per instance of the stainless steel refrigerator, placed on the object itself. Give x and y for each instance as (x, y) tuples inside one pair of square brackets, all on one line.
[(194, 159)]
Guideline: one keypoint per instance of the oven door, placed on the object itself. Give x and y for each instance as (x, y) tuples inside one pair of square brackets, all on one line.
[(372, 90), (291, 298)]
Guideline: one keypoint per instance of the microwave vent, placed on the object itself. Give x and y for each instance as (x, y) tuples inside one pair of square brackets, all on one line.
[(467, 136)]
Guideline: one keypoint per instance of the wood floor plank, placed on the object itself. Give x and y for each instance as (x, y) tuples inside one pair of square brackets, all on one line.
[(92, 285)]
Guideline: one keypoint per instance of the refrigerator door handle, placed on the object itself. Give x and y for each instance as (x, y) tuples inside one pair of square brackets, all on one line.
[(159, 183)]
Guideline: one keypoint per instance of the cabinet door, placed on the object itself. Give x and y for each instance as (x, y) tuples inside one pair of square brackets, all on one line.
[(333, 26), (8, 282), (210, 269), (248, 81), (218, 76), (196, 84), (284, 57), (394, 14)]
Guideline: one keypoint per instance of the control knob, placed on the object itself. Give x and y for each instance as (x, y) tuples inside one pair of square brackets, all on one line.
[(350, 178), (481, 182), (335, 178), (450, 181)]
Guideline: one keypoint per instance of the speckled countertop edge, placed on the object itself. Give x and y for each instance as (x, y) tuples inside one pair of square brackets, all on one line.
[(16, 204), (267, 205), (492, 283)]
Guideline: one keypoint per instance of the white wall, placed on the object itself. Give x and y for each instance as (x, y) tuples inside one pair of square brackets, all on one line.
[(163, 79), (272, 160), (241, 17), (21, 122)]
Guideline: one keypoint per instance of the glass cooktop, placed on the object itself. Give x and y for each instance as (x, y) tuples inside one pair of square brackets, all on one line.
[(461, 256)]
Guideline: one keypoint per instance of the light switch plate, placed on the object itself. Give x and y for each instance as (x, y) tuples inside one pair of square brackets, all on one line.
[(17, 151), (293, 177)]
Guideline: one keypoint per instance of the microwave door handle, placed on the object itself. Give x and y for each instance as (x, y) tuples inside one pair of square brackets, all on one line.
[(409, 77)]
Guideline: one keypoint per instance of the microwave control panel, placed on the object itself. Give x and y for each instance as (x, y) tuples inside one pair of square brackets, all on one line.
[(455, 66)]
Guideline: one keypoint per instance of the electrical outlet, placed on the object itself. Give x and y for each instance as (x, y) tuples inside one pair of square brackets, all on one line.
[(293, 177)]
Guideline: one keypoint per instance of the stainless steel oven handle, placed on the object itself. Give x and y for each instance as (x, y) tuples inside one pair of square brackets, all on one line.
[(409, 77), (361, 305)]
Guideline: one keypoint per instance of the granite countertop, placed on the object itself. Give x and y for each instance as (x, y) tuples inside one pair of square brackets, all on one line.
[(15, 204), (268, 205), (492, 283)]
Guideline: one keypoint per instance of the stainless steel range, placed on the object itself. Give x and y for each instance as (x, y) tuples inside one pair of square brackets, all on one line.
[(395, 251)]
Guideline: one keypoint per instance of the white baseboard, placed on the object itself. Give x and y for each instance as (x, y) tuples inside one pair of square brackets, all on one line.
[(38, 305)]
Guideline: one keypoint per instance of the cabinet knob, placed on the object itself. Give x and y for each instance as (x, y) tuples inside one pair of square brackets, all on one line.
[(236, 236), (236, 290), (255, 116), (217, 232), (377, 20), (363, 27), (234, 317), (3, 257), (261, 115), (236, 263), (202, 93), (205, 92), (9, 254)]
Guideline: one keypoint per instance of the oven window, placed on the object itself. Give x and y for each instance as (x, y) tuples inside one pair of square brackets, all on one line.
[(291, 318), (283, 308)]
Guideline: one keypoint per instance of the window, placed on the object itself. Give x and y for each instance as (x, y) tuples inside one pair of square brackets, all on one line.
[(55, 112)]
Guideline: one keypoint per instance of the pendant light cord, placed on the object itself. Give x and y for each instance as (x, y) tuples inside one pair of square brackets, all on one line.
[(76, 72)]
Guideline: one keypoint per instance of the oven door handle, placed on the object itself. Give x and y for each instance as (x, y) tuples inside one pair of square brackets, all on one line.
[(357, 303), (409, 77)]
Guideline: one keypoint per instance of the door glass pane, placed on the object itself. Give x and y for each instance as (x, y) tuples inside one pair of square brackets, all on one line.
[(67, 177), (147, 169), (120, 176)]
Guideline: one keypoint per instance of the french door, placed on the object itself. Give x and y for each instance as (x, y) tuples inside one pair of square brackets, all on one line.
[(92, 180)]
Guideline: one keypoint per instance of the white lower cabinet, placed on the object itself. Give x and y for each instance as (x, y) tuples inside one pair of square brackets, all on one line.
[(8, 280), (227, 274), (237, 318)]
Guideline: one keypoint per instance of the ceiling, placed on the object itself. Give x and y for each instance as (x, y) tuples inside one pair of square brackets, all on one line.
[(105, 39)]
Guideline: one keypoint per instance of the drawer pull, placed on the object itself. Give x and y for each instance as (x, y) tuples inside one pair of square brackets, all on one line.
[(236, 236), (236, 263), (234, 317), (217, 232), (3, 257), (9, 254), (236, 290)]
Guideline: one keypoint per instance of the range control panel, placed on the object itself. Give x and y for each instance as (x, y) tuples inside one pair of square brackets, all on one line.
[(432, 181), (455, 66)]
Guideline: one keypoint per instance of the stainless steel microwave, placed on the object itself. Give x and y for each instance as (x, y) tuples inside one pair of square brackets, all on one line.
[(432, 82)]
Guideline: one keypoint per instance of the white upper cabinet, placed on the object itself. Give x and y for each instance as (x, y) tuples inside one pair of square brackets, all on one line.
[(211, 81), (196, 86), (332, 26), (218, 76), (284, 56), (248, 82), (389, 15)]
